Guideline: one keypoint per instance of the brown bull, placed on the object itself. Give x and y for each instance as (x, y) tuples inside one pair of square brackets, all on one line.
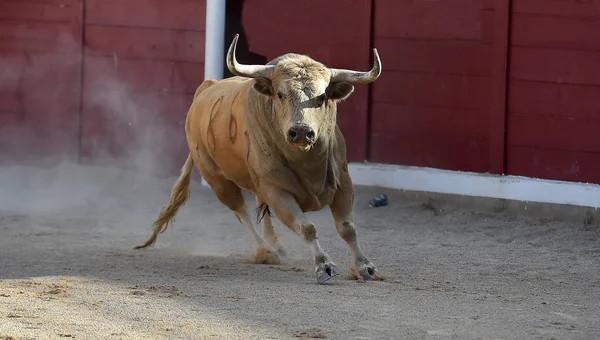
[(271, 131)]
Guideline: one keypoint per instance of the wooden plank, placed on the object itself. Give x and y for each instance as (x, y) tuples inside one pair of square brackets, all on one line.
[(555, 32), (497, 113), (11, 72), (352, 120), (424, 136), (441, 56), (33, 79), (558, 133), (36, 36), (337, 54), (487, 4), (47, 10), (41, 83), (10, 106), (416, 120), (143, 75), (341, 41), (554, 164), (558, 66), (427, 151), (552, 99), (487, 27), (450, 19), (325, 21), (43, 95), (587, 9), (171, 14), (11, 97), (347, 46), (144, 43), (453, 91)]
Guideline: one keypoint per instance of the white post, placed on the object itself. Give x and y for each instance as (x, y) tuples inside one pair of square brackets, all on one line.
[(214, 56)]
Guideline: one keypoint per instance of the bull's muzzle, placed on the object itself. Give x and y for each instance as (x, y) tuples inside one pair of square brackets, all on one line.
[(301, 135)]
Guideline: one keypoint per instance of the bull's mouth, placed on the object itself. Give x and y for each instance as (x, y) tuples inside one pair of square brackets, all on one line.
[(305, 147)]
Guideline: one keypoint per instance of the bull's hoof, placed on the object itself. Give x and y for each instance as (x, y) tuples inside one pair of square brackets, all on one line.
[(264, 256), (326, 271), (367, 271)]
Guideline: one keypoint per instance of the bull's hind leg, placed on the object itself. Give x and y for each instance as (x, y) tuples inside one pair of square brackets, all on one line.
[(342, 210), (231, 195), (268, 231), (287, 210)]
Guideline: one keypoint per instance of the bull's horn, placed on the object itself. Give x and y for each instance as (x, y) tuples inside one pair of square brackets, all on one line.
[(349, 76), (249, 71)]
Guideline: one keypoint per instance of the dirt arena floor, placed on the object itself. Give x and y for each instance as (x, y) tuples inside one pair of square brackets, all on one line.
[(68, 270)]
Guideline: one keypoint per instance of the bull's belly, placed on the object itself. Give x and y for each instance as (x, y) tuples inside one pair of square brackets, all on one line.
[(230, 159), (240, 177)]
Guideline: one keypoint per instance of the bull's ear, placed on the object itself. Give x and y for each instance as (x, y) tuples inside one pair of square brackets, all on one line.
[(339, 91), (263, 86)]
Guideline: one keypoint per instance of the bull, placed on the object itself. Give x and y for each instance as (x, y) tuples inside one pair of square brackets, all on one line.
[(271, 131)]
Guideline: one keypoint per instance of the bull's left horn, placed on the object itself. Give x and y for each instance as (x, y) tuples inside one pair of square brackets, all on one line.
[(338, 75), (249, 71)]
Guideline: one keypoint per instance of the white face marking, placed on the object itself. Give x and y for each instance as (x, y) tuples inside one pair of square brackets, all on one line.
[(296, 102)]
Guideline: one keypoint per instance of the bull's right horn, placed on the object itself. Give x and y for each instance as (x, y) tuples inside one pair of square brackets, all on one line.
[(338, 75), (248, 71)]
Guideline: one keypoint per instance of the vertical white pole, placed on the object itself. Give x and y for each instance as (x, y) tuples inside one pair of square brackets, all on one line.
[(214, 56)]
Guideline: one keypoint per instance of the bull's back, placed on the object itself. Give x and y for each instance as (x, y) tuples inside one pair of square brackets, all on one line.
[(216, 126)]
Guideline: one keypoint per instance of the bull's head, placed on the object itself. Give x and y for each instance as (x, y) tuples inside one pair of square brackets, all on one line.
[(304, 92)]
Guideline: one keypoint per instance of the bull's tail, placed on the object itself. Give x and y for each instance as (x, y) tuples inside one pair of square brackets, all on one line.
[(179, 196)]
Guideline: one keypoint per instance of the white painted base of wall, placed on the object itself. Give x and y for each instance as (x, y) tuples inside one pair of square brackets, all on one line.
[(474, 184)]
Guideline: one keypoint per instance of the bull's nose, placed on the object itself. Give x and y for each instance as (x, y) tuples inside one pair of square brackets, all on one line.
[(301, 134)]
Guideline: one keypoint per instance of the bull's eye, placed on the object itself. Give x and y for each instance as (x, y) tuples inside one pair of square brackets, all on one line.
[(280, 95)]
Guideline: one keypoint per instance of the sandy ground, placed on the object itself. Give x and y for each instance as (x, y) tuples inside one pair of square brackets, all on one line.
[(68, 269)]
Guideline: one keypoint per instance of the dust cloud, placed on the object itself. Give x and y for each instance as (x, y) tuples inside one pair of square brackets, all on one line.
[(109, 152)]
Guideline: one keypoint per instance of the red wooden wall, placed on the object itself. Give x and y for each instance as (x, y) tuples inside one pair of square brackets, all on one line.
[(40, 73), (554, 90), (431, 106), (480, 85)]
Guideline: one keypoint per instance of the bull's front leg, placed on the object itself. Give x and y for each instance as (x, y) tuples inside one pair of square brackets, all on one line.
[(342, 209), (289, 213)]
